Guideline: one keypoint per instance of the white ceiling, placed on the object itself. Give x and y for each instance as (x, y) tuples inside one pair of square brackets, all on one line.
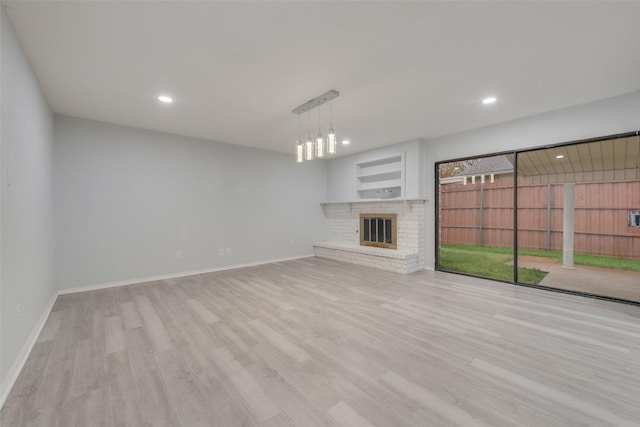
[(404, 69)]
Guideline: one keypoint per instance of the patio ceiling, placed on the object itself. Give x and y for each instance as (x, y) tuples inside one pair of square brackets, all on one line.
[(609, 160)]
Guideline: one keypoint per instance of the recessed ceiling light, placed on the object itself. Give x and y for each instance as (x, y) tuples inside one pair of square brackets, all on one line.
[(166, 99), (346, 142), (560, 156), (489, 100)]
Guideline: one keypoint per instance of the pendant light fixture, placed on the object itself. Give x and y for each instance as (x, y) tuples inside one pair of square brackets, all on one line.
[(321, 147)]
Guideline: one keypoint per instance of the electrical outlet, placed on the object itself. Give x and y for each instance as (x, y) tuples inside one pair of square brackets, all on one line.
[(228, 251), (221, 251), (18, 311), (178, 254)]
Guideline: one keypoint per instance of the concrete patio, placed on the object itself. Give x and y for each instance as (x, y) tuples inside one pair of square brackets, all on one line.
[(599, 281)]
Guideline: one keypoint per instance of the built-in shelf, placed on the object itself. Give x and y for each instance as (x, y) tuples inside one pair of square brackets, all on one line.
[(380, 176), (380, 185), (380, 179)]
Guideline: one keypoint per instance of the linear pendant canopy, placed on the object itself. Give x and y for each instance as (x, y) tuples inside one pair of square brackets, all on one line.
[(316, 102)]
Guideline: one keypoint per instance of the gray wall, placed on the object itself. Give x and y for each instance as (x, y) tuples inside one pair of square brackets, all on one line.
[(126, 200), (26, 205), (606, 117)]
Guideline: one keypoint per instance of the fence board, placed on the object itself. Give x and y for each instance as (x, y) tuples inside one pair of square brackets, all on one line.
[(601, 216)]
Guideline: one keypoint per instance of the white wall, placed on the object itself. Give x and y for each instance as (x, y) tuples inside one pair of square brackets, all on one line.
[(601, 118), (126, 200), (341, 178), (26, 205)]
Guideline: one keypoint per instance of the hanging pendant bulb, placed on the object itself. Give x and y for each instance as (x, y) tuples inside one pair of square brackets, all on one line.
[(299, 144), (299, 151), (308, 145), (320, 147), (308, 149), (332, 144)]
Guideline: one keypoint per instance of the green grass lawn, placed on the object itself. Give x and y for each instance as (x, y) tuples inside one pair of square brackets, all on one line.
[(488, 264), (492, 262)]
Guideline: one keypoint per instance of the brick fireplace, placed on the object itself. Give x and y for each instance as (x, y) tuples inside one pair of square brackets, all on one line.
[(343, 234)]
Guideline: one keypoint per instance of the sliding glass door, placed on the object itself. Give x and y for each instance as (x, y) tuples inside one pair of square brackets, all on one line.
[(577, 221), (576, 210)]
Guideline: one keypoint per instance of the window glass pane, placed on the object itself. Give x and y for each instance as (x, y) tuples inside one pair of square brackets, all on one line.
[(476, 217), (387, 230), (380, 230), (366, 230), (573, 217), (373, 230)]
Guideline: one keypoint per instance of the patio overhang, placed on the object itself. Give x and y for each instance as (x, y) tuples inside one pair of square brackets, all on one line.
[(600, 161)]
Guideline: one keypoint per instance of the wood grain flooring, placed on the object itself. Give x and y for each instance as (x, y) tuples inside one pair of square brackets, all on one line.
[(315, 342)]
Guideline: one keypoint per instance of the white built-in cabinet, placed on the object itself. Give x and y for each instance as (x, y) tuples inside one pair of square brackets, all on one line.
[(381, 178)]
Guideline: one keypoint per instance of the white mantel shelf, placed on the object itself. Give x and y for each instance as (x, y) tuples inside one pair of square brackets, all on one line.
[(374, 201)]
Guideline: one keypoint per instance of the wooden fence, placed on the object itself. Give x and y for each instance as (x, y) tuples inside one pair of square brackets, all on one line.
[(482, 214)]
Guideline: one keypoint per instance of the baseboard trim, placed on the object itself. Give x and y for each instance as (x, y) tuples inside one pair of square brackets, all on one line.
[(174, 275), (11, 377)]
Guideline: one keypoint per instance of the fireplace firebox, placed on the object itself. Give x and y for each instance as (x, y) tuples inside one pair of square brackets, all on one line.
[(378, 230)]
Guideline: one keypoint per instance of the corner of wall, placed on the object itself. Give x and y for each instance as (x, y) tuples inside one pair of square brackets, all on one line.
[(27, 290)]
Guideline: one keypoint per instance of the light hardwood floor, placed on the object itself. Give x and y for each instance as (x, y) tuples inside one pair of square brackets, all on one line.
[(318, 342)]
